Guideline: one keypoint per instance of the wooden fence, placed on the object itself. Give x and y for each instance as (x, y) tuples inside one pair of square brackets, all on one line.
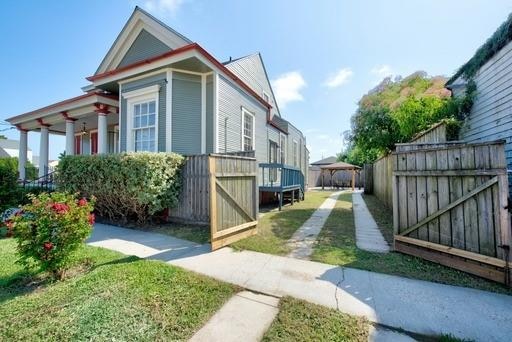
[(233, 199), (449, 206)]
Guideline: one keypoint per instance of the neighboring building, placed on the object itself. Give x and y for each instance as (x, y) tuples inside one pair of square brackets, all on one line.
[(11, 148), (491, 116), (156, 90), (341, 178)]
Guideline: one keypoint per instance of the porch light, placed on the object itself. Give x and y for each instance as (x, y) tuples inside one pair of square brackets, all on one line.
[(84, 131)]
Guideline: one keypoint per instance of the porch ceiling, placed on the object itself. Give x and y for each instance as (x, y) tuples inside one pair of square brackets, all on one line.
[(81, 108)]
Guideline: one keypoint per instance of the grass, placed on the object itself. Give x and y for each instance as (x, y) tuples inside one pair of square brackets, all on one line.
[(336, 245), (301, 321), (275, 228), (107, 296), (195, 233)]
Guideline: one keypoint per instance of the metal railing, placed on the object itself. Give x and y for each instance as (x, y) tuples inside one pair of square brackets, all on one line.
[(281, 177), (45, 182)]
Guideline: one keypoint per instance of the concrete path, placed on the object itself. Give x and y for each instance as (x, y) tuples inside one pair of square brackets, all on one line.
[(414, 305), (304, 238), (245, 317), (368, 235)]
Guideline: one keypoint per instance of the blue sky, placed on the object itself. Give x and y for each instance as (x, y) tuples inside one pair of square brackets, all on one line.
[(321, 55)]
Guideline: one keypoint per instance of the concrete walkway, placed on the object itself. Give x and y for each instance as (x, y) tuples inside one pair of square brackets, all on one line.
[(245, 317), (414, 305), (368, 235), (304, 238)]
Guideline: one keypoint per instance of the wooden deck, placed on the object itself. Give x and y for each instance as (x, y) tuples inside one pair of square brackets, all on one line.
[(282, 179)]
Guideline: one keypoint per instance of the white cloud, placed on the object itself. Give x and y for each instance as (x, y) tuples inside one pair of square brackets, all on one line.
[(382, 71), (163, 8), (287, 88), (339, 78)]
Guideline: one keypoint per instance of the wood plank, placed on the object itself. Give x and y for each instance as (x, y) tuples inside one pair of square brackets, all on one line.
[(452, 205), (213, 199), (443, 198), (402, 194), (421, 196), (452, 173), (432, 197), (396, 218), (486, 231), (455, 251), (467, 158), (412, 199), (235, 229), (454, 262), (457, 212), (234, 201), (219, 243)]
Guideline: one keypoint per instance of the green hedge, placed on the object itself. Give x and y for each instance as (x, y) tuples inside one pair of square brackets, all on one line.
[(127, 186)]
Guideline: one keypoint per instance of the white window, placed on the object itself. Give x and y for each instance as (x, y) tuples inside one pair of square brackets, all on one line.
[(295, 153), (142, 120), (144, 126), (282, 146), (247, 130)]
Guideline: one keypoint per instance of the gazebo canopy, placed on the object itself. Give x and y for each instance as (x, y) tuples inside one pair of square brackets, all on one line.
[(340, 166)]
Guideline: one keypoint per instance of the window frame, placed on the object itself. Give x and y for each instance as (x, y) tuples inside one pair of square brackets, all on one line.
[(133, 98), (282, 149), (242, 133), (295, 153)]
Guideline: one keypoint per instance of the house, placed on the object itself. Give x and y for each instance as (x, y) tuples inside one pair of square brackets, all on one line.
[(11, 148), (156, 90), (490, 68)]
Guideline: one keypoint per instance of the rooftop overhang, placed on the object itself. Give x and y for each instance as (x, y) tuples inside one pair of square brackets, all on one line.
[(55, 115), (340, 166), (190, 57)]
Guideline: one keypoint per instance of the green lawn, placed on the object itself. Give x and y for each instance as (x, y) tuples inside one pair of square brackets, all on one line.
[(336, 245), (275, 228), (301, 321), (107, 296), (195, 233)]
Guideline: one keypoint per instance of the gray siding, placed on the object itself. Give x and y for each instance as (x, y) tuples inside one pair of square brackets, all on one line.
[(231, 100), (209, 115), (251, 70), (143, 47), (186, 113), (491, 115), (139, 84)]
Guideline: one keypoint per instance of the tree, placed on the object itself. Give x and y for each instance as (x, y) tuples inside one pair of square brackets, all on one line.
[(3, 136)]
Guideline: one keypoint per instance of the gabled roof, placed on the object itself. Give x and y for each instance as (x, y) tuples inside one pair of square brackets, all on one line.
[(10, 144), (340, 166), (140, 20), (325, 161)]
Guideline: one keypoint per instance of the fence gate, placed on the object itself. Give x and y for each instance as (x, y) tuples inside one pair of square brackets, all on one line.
[(233, 198), (450, 206)]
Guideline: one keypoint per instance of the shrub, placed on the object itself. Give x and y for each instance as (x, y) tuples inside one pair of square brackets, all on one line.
[(9, 189), (50, 229), (127, 186)]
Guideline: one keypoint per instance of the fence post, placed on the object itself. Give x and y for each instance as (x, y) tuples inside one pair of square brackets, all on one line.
[(213, 197)]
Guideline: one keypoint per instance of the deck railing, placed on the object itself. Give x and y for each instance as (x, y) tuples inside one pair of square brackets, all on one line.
[(280, 177)]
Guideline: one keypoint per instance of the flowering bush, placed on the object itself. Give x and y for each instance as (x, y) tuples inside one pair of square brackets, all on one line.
[(50, 229)]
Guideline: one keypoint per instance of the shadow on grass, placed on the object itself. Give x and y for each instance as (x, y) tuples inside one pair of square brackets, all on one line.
[(25, 282)]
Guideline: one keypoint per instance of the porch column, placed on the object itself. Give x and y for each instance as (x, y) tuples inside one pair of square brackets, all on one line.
[(70, 137), (43, 151), (22, 154), (102, 111)]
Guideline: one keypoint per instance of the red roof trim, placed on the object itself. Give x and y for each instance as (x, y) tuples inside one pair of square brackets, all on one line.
[(193, 46), (68, 101)]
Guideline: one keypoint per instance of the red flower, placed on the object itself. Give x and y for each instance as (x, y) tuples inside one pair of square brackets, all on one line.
[(91, 218), (82, 202), (60, 208), (48, 246)]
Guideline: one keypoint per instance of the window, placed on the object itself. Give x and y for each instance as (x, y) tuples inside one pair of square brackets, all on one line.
[(295, 153), (78, 144), (144, 126), (247, 130), (282, 146), (142, 119), (94, 142)]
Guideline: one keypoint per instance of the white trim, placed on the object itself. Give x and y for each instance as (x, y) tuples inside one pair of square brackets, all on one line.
[(168, 111), (142, 96), (216, 112), (295, 153), (150, 91), (119, 117), (242, 132), (203, 114), (161, 71), (116, 139), (285, 149)]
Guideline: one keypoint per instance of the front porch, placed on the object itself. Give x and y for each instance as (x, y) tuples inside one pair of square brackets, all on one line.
[(89, 123)]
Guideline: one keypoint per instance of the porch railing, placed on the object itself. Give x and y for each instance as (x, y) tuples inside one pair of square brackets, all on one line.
[(280, 177), (45, 182)]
